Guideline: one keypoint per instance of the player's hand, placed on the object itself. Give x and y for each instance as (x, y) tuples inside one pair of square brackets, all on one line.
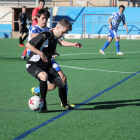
[(127, 30), (44, 57), (55, 54), (78, 45), (110, 27)]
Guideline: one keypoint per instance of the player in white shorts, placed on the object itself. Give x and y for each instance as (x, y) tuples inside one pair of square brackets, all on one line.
[(114, 22), (34, 31)]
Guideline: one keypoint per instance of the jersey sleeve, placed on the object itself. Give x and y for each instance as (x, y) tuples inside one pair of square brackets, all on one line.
[(34, 12), (123, 20), (37, 41), (33, 30)]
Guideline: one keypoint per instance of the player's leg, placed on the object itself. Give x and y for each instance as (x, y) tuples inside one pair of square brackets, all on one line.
[(20, 39), (40, 74), (23, 55), (43, 88), (36, 90), (118, 46), (110, 37), (62, 93), (64, 80), (26, 31)]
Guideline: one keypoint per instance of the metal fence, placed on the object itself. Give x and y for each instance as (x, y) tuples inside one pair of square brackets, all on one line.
[(91, 29)]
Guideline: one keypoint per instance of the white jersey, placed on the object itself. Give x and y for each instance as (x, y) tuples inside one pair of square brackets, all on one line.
[(116, 19)]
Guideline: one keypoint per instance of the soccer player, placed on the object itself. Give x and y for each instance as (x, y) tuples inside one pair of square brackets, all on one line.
[(39, 63), (42, 17), (34, 19), (35, 11), (114, 22), (22, 26)]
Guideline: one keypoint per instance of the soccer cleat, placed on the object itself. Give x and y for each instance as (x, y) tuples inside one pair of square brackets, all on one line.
[(43, 109), (102, 52), (68, 107), (72, 105), (120, 53), (23, 56), (21, 45), (33, 92)]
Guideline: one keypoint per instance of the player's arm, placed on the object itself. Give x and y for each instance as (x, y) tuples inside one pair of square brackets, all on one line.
[(33, 35), (67, 44), (124, 24), (34, 14), (109, 20), (19, 23)]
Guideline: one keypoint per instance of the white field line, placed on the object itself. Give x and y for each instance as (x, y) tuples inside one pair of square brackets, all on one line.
[(94, 53), (94, 69)]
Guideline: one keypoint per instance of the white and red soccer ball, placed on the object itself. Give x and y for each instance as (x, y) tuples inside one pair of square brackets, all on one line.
[(35, 103)]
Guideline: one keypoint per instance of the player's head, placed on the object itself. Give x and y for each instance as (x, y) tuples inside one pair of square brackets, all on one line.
[(41, 4), (42, 16), (62, 27), (23, 9), (121, 8)]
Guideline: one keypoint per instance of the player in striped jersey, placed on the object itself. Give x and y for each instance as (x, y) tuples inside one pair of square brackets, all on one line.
[(34, 31), (114, 22)]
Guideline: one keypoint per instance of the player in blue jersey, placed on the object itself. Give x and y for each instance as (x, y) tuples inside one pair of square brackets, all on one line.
[(114, 22), (33, 32)]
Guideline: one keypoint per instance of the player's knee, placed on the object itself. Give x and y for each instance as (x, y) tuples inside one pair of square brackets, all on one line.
[(110, 40), (51, 86), (43, 76)]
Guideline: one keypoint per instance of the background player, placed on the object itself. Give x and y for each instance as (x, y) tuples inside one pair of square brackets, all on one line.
[(22, 26), (114, 22)]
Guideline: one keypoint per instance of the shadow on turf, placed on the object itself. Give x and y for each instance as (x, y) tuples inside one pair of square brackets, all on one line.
[(89, 59), (110, 104), (11, 59)]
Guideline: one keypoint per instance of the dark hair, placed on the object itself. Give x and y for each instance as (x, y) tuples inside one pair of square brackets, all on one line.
[(65, 23), (122, 6), (41, 1), (44, 12), (24, 7)]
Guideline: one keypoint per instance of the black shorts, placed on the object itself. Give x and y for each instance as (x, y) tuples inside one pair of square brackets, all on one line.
[(23, 30), (35, 70)]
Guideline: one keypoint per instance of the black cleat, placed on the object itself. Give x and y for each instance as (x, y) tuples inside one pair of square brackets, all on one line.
[(68, 107)]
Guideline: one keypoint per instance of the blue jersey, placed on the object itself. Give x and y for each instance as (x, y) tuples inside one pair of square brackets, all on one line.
[(116, 19), (37, 29)]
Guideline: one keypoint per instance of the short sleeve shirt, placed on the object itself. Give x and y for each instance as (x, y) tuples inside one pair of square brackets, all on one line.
[(116, 19), (34, 13), (22, 18)]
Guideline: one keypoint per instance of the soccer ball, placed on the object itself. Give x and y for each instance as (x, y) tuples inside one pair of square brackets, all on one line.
[(35, 103)]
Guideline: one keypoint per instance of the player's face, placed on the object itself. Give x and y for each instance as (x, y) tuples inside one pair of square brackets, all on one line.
[(42, 21), (121, 10), (23, 10), (61, 31), (41, 5)]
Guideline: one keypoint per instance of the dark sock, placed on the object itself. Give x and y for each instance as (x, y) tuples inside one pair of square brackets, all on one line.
[(63, 95), (24, 38), (20, 40), (43, 90)]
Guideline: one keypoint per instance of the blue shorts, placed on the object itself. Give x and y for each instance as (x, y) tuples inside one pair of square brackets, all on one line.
[(112, 33)]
